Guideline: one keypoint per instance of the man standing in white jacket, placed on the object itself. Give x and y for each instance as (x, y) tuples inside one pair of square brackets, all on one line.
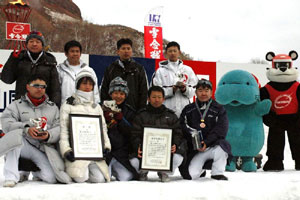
[(69, 69), (176, 79)]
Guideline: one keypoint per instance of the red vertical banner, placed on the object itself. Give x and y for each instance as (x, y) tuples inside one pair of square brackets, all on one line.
[(153, 39)]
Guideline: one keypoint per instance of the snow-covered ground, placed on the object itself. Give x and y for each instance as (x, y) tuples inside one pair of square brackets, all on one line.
[(241, 186)]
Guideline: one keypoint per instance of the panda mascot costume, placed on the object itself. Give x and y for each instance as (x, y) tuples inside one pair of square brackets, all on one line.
[(284, 92)]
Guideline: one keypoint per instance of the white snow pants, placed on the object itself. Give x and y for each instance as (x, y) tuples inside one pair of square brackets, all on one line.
[(93, 174), (11, 170), (177, 160), (119, 171), (216, 153)]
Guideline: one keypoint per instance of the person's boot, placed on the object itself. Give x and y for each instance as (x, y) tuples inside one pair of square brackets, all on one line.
[(143, 176), (219, 177), (273, 165), (9, 183), (163, 177), (23, 176), (297, 164)]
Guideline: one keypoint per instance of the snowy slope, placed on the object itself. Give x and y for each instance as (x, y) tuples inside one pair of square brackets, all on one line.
[(241, 186)]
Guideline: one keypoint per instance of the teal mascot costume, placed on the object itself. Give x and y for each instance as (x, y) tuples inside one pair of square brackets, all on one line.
[(238, 91)]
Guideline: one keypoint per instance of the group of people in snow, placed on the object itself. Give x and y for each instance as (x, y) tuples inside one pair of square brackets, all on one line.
[(51, 92)]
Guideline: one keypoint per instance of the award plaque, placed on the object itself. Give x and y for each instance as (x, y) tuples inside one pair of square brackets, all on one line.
[(86, 136), (156, 149)]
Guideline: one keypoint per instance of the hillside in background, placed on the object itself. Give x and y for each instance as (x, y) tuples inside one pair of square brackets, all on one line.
[(61, 21)]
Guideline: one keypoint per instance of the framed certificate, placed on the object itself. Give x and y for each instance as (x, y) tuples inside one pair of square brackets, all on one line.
[(86, 136), (156, 149)]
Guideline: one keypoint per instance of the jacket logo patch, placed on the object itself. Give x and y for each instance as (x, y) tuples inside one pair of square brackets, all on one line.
[(210, 116)]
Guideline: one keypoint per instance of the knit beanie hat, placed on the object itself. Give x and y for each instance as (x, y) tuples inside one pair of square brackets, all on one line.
[(36, 34), (85, 73), (118, 84), (82, 74)]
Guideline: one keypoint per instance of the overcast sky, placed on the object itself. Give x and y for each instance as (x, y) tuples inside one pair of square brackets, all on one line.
[(214, 30)]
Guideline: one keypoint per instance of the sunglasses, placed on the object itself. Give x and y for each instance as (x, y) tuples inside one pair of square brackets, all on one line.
[(204, 82), (38, 86)]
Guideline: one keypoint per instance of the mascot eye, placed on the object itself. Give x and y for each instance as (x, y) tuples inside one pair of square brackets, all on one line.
[(248, 83), (277, 65), (224, 83)]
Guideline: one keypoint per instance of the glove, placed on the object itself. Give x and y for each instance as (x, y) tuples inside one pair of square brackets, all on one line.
[(106, 152), (70, 156), (16, 53), (108, 116), (118, 116)]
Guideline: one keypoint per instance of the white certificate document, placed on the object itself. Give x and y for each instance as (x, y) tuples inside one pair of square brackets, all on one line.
[(157, 144)]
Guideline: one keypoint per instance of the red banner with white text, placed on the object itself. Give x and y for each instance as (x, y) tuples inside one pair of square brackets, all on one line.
[(153, 42)]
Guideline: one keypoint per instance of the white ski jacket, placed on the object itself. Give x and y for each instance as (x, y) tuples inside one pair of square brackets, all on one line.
[(15, 119), (167, 75), (67, 79)]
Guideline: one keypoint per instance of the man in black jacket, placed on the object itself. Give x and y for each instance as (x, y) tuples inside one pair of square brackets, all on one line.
[(130, 71), (156, 115), (205, 125), (23, 64)]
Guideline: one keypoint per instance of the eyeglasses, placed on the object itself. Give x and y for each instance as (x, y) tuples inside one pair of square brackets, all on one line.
[(204, 82), (38, 86)]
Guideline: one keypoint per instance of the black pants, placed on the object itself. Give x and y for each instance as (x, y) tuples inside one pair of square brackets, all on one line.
[(276, 143)]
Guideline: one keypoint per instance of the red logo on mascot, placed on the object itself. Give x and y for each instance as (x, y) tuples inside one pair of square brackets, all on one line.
[(282, 101)]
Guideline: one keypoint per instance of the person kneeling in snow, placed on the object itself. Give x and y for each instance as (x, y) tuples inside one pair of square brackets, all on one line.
[(207, 120), (156, 115), (82, 102), (31, 126), (119, 116)]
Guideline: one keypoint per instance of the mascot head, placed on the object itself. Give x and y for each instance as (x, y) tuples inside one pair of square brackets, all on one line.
[(282, 70), (236, 88)]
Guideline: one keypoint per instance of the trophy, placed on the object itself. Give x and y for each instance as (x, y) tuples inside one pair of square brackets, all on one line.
[(197, 138), (180, 80), (110, 107), (1, 133), (40, 124)]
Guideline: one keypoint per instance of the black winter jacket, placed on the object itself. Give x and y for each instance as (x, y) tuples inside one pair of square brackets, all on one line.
[(136, 78), (213, 134), (119, 136), (161, 117), (216, 125), (21, 68)]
